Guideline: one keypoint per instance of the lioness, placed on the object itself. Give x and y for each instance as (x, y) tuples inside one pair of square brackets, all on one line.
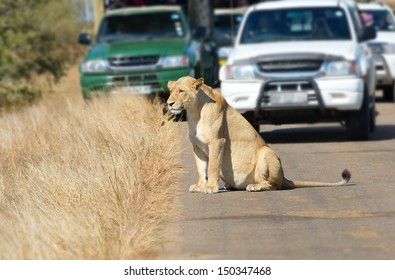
[(225, 145)]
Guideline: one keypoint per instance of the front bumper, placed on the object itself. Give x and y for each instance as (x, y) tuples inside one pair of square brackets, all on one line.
[(385, 69), (96, 84), (340, 93)]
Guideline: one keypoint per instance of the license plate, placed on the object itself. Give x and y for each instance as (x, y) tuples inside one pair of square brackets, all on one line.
[(136, 89), (288, 98)]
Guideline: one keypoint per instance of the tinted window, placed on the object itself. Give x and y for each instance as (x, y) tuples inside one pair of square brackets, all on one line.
[(225, 28), (296, 25), (227, 23), (382, 20), (119, 27)]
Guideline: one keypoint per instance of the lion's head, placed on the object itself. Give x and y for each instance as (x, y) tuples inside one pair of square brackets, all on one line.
[(183, 93)]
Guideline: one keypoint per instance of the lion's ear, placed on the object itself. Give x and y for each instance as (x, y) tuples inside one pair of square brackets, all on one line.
[(197, 84), (170, 84)]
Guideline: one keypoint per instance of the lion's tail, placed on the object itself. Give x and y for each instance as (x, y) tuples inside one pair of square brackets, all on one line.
[(346, 176)]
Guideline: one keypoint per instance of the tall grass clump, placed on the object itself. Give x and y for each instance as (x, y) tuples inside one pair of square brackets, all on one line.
[(87, 181)]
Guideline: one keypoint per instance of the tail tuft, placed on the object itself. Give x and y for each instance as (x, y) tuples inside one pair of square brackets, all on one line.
[(346, 175)]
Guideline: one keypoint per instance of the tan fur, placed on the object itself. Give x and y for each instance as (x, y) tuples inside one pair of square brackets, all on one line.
[(225, 145)]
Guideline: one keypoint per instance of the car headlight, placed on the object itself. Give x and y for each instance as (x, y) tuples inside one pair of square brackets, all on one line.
[(175, 61), (95, 66), (241, 72), (376, 48), (389, 48), (224, 51), (223, 54), (340, 68)]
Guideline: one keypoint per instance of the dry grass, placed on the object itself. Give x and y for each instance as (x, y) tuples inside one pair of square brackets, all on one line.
[(88, 181), (390, 3)]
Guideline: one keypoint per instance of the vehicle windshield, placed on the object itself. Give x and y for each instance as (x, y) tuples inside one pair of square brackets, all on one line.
[(141, 27), (382, 20), (227, 24), (225, 28), (298, 24)]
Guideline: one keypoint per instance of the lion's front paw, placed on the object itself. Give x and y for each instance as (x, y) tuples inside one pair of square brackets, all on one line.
[(210, 189), (195, 188), (253, 188)]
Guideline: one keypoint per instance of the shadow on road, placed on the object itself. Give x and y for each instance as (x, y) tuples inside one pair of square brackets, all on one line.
[(322, 134), (383, 132), (380, 99), (305, 135)]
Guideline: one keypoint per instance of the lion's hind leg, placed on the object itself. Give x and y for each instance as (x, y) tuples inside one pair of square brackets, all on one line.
[(268, 172)]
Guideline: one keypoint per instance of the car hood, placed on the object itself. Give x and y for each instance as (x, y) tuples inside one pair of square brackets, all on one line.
[(332, 48), (142, 47)]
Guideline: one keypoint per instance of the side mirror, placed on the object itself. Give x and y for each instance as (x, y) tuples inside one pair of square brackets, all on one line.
[(85, 39), (368, 33), (199, 32)]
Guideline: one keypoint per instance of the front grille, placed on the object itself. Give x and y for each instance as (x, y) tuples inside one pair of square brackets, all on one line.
[(289, 86), (380, 67), (287, 66), (127, 61)]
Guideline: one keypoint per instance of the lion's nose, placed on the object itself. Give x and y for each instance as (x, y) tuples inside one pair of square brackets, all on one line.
[(170, 104)]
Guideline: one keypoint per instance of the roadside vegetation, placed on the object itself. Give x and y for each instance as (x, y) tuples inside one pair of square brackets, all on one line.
[(86, 181), (37, 45), (390, 3), (77, 180)]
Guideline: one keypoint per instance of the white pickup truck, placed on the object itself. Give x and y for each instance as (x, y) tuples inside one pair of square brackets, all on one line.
[(383, 47), (302, 62)]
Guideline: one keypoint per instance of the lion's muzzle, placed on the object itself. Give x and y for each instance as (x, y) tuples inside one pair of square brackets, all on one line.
[(173, 109)]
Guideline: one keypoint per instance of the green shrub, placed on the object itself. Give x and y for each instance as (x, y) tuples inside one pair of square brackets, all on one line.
[(14, 96), (37, 37)]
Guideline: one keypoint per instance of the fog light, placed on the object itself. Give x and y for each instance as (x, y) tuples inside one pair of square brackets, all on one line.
[(240, 99), (338, 95)]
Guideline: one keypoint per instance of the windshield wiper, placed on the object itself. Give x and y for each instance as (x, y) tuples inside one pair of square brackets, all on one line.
[(116, 38)]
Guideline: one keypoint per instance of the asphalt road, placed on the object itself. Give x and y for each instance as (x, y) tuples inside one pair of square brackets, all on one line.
[(350, 222)]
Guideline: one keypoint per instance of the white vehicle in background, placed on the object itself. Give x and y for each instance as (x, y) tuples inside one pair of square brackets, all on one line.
[(383, 47), (302, 62), (226, 25)]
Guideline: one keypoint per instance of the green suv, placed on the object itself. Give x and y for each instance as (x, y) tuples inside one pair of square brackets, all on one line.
[(137, 50)]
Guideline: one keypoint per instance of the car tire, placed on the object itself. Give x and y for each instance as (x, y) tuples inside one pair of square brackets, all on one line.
[(389, 93), (372, 116), (359, 122)]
